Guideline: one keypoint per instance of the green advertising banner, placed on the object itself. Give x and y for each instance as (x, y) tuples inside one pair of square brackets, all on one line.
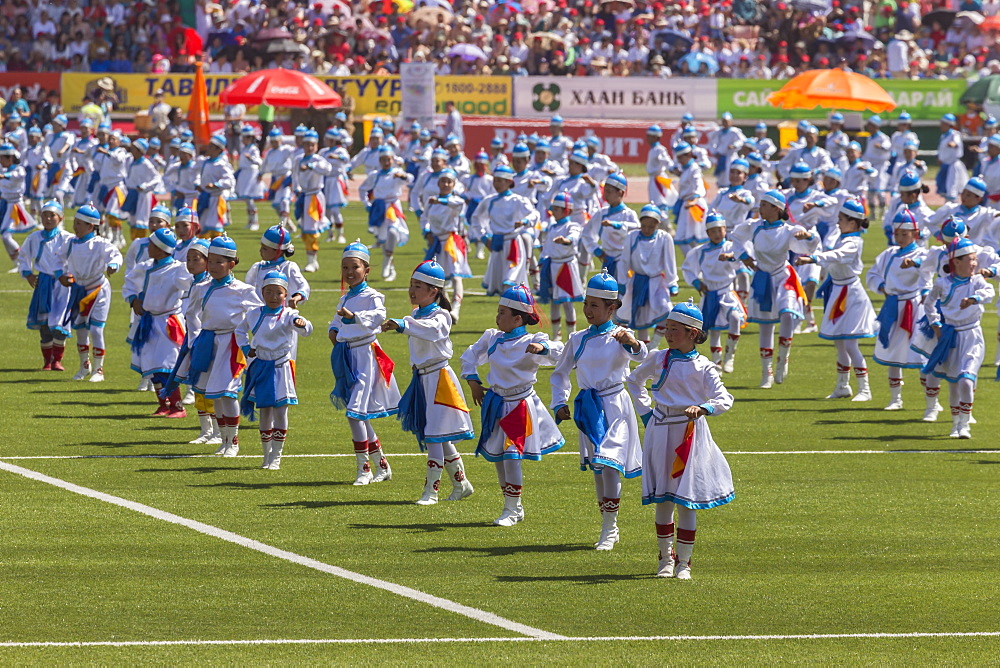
[(927, 99)]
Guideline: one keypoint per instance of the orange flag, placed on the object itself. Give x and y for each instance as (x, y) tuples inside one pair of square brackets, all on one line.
[(198, 108)]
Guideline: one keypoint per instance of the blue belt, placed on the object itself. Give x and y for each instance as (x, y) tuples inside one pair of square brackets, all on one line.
[(710, 308), (433, 250), (887, 318), (489, 417), (343, 372), (131, 202), (942, 178), (94, 179), (41, 299), (376, 213), (203, 199), (825, 291), (300, 206), (761, 290), (611, 264), (471, 205), (413, 409), (640, 292), (76, 293), (545, 280), (946, 341), (142, 332), (588, 413), (258, 381), (496, 243), (201, 355)]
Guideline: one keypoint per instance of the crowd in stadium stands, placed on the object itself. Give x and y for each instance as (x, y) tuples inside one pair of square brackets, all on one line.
[(665, 38)]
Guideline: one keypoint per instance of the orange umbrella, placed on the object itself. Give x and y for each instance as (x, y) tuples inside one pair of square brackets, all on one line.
[(832, 89), (991, 23)]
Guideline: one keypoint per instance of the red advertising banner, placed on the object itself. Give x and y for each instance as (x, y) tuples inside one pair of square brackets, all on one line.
[(37, 84), (622, 141)]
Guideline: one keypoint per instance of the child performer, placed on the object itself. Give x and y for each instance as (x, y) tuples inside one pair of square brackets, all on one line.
[(216, 362), (954, 308), (446, 236), (609, 432), (896, 274), (275, 250), (216, 183), (196, 259), (14, 216), (88, 258), (847, 311), (278, 163), (713, 277), (909, 198), (443, 420), (270, 377), (43, 252), (248, 184), (114, 160), (689, 210), (159, 217), (36, 160), (308, 178), (365, 384), (142, 182), (382, 194), (478, 186), (507, 220), (647, 277), (681, 464), (515, 424), (777, 295), (560, 283), (605, 233), (335, 185), (154, 288)]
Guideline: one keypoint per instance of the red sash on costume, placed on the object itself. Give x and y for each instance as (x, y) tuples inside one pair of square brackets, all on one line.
[(385, 363), (683, 451), (516, 425)]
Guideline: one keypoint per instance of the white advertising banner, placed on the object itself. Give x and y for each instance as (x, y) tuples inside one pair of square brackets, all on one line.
[(417, 82), (643, 98)]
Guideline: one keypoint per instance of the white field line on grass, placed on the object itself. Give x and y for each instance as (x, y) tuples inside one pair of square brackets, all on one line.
[(472, 454), (208, 530), (405, 641)]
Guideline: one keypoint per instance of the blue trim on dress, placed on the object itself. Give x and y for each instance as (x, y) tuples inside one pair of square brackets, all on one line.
[(598, 463), (646, 500), (852, 336), (898, 366), (464, 436), (969, 376), (372, 416), (516, 455), (219, 395)]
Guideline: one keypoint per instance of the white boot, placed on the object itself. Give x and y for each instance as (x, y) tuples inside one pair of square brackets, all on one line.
[(431, 483), (766, 374), (278, 437), (233, 441), (654, 341), (864, 389), (781, 370), (956, 425), (206, 429), (896, 394), (188, 398), (609, 525), (383, 471), (340, 236), (265, 446), (145, 385), (312, 263), (730, 357), (666, 565), (932, 409), (512, 510), (717, 357), (460, 485), (216, 438), (843, 388), (456, 309), (557, 330), (364, 469), (83, 372), (963, 425)]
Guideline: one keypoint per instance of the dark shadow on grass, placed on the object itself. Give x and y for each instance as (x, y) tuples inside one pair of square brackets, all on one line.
[(190, 469), (849, 422), (333, 504), (952, 450), (507, 550), (269, 485), (75, 388), (604, 578), (987, 461), (129, 416), (118, 402), (888, 438), (107, 444), (427, 527), (29, 381)]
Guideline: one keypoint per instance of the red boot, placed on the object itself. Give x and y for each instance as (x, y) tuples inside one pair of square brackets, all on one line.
[(47, 358), (164, 408), (175, 406), (57, 355)]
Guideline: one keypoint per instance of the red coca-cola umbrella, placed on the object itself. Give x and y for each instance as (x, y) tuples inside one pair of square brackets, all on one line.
[(281, 88)]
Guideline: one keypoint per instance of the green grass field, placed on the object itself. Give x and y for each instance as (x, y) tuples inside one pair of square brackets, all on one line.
[(887, 532)]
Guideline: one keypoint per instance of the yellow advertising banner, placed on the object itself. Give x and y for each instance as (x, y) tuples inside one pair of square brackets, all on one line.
[(473, 96)]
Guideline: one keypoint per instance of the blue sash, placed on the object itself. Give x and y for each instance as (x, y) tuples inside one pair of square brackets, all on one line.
[(545, 280), (947, 341), (412, 168), (76, 293), (489, 417), (942, 179), (53, 170), (611, 264), (3, 209), (588, 413), (259, 381), (178, 202), (142, 332), (131, 202), (710, 308), (102, 195), (824, 291), (201, 355), (203, 199), (823, 228), (640, 292), (343, 372), (300, 206), (471, 205), (433, 250), (496, 243), (376, 213), (171, 383), (887, 318), (41, 300), (27, 181), (413, 409), (95, 178), (760, 288), (676, 209), (720, 165)]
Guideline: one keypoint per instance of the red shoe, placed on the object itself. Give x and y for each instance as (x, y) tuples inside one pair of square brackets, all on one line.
[(177, 412), (57, 355), (47, 358), (164, 408)]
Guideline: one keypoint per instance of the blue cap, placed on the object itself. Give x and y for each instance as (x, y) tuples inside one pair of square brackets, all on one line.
[(714, 219), (775, 197), (175, 142), (800, 170), (875, 120), (727, 116), (482, 156), (761, 126), (503, 172), (274, 133), (602, 286), (688, 118), (533, 138), (911, 144), (52, 205), (910, 180), (522, 138), (563, 200), (518, 298), (125, 140), (833, 173), (681, 148), (741, 165), (310, 135), (651, 211), (949, 118), (496, 142), (994, 140), (86, 123), (185, 215), (812, 130), (187, 147), (542, 145), (275, 277), (520, 151), (141, 144), (452, 140), (386, 149), (953, 227), (276, 237), (376, 132), (218, 141), (387, 124), (556, 120), (200, 245), (358, 250), (689, 131), (88, 213), (854, 208), (425, 134), (61, 119), (688, 314), (340, 116), (34, 131), (579, 158), (654, 130), (247, 131), (905, 220), (439, 153), (164, 239), (447, 172), (224, 246), (186, 135), (617, 180), (962, 246), (14, 116), (803, 125), (332, 133), (904, 117), (836, 117), (592, 140), (155, 142), (7, 149), (430, 272), (755, 159), (976, 186), (991, 121), (161, 212), (579, 145), (854, 146), (414, 127), (300, 130)]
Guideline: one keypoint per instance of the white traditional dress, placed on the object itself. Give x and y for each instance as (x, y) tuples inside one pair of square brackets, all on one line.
[(141, 184), (43, 252), (335, 186), (87, 259), (702, 267), (310, 200), (278, 164), (445, 218), (507, 221), (272, 335), (382, 195), (959, 350), (903, 307), (248, 183), (606, 242), (156, 336), (217, 182), (648, 270), (847, 310), (560, 277)]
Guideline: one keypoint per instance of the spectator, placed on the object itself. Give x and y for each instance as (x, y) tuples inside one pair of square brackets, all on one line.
[(16, 103)]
